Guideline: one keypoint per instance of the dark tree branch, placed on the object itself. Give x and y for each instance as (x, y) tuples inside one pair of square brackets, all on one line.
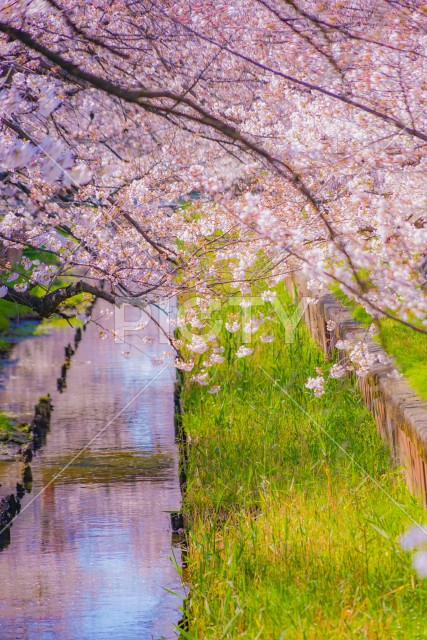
[(47, 305), (90, 38), (160, 248)]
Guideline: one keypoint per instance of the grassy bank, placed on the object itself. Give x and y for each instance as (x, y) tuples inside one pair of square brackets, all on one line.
[(408, 347), (11, 317), (12, 431), (293, 508), (410, 352)]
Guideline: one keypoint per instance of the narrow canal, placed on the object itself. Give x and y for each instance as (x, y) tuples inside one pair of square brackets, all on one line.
[(90, 557)]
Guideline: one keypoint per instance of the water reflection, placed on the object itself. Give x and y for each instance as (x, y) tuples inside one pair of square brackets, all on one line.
[(89, 558)]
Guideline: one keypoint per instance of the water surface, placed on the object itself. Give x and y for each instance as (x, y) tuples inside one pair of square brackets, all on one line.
[(89, 558)]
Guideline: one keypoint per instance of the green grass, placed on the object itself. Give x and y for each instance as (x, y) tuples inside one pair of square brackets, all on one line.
[(289, 534), (11, 431), (38, 254), (14, 323), (46, 326), (4, 346), (410, 351), (408, 347), (9, 311), (6, 424)]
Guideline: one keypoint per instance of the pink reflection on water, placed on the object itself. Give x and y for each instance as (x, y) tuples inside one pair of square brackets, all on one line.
[(89, 559)]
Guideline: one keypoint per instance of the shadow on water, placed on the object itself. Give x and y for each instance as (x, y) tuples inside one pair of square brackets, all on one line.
[(89, 555)]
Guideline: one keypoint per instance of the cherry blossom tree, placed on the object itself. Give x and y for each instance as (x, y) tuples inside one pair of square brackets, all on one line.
[(302, 125)]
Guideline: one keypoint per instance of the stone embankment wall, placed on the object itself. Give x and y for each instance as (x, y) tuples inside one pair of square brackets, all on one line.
[(400, 414)]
